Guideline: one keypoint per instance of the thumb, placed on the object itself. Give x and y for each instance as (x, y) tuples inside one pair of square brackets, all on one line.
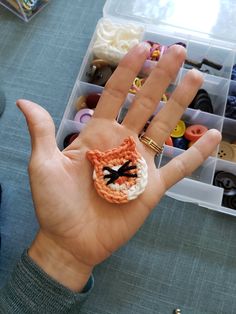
[(41, 128)]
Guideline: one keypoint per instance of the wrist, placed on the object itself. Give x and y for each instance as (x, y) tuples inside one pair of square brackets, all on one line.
[(59, 263)]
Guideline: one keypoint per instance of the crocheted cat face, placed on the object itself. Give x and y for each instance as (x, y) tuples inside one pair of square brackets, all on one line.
[(120, 174)]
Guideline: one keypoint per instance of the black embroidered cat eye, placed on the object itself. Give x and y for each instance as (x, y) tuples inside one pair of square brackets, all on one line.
[(121, 172)]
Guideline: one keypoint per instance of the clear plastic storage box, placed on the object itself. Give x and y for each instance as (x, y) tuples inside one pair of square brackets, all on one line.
[(208, 29), (25, 9)]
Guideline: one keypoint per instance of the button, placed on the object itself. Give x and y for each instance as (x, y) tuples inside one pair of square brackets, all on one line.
[(234, 149), (80, 103), (169, 141), (179, 129), (92, 100), (202, 101), (229, 201), (194, 132), (83, 115), (180, 142), (99, 63), (2, 102), (226, 151), (233, 74), (69, 139), (226, 180), (101, 76)]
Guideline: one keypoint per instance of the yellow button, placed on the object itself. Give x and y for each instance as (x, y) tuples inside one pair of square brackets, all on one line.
[(226, 151), (179, 130)]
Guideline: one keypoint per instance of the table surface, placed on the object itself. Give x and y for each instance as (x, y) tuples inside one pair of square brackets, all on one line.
[(183, 256)]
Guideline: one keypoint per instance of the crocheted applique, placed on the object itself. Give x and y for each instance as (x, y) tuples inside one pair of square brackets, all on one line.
[(120, 174)]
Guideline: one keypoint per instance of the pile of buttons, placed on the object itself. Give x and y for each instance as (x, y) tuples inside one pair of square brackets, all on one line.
[(157, 50), (227, 151), (233, 74), (227, 181), (84, 106), (202, 101), (99, 72), (230, 111), (183, 137)]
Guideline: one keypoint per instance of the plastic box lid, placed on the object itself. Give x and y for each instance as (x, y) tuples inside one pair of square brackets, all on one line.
[(212, 19)]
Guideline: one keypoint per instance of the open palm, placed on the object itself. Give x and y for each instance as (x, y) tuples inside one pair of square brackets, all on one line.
[(69, 209)]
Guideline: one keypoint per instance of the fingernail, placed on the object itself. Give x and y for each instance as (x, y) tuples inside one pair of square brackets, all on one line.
[(144, 47)]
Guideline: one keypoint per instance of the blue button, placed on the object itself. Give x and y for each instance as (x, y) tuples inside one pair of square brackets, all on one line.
[(230, 111), (180, 142)]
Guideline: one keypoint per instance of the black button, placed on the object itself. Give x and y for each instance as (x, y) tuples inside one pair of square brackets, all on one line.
[(226, 180), (202, 101), (101, 75), (69, 139), (229, 201)]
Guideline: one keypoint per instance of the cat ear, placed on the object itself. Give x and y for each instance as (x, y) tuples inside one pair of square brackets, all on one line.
[(94, 155), (129, 143)]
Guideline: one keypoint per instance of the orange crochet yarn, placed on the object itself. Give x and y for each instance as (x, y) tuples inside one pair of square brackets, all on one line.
[(120, 174)]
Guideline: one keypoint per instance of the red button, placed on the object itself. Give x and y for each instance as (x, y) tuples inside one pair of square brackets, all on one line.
[(194, 132), (92, 100), (169, 141)]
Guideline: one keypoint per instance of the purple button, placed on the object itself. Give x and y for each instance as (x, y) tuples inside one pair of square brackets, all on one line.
[(83, 115)]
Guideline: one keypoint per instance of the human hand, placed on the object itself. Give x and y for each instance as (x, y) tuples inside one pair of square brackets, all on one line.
[(78, 228)]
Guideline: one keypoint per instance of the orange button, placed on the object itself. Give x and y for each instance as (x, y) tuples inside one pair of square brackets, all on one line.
[(194, 132)]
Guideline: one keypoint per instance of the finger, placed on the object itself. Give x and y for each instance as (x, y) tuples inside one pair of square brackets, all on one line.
[(166, 120), (146, 100), (41, 128), (117, 87), (184, 164)]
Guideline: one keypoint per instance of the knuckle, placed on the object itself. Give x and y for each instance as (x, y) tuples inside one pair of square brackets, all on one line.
[(114, 92), (146, 101), (181, 167)]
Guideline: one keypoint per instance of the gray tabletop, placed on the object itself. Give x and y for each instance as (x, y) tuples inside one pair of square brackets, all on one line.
[(184, 256)]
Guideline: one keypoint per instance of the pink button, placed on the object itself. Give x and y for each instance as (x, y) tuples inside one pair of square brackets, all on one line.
[(83, 115)]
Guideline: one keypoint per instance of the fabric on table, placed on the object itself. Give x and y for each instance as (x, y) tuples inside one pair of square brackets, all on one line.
[(183, 256)]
